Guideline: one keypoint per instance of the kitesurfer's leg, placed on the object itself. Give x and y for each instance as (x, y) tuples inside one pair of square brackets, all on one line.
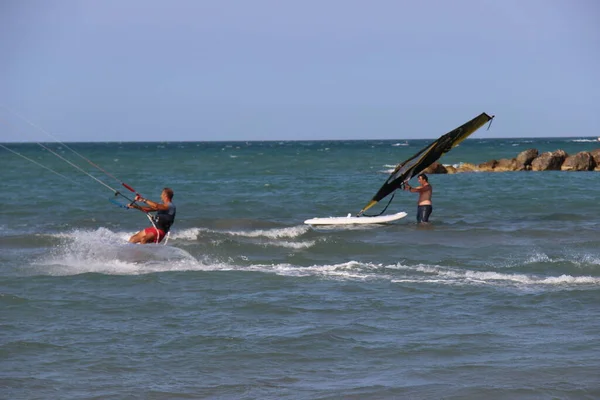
[(153, 235), (144, 236), (137, 237), (149, 236)]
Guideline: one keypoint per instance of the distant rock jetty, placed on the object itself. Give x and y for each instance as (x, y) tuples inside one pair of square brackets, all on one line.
[(528, 160)]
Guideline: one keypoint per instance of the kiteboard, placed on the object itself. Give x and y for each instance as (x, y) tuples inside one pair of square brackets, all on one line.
[(350, 220)]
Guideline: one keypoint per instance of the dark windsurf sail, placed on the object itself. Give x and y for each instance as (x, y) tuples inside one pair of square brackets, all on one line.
[(427, 156)]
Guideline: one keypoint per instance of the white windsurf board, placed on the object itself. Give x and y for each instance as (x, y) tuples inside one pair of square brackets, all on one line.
[(349, 220)]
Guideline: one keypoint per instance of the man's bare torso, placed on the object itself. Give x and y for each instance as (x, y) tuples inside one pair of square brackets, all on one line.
[(425, 193)]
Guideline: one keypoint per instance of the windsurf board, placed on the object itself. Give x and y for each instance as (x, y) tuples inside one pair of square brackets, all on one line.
[(350, 220)]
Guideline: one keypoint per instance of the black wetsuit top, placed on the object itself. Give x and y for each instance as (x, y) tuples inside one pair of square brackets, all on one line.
[(165, 218)]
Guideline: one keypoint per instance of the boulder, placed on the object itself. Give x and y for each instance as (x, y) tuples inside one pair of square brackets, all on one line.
[(509, 164), (451, 169), (435, 168), (596, 156), (582, 161), (549, 161), (467, 167), (527, 156), (487, 166)]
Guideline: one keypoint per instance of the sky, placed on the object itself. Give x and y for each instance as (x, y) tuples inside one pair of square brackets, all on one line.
[(198, 70)]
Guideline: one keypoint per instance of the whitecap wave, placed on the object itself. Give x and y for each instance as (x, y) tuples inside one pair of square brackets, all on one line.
[(84, 256), (585, 140), (351, 270), (538, 258), (450, 276), (187, 234), (291, 245), (580, 260), (103, 251), (102, 235), (453, 165), (275, 233), (289, 232)]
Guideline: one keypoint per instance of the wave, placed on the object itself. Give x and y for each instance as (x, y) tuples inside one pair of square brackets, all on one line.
[(274, 233), (576, 260), (585, 140), (289, 232), (103, 251), (456, 165), (107, 237), (100, 235), (136, 259), (453, 276), (187, 234), (291, 245)]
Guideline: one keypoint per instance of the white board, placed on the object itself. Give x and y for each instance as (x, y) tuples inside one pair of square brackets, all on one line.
[(349, 220)]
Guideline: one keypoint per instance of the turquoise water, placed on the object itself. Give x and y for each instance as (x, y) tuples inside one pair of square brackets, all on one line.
[(498, 298)]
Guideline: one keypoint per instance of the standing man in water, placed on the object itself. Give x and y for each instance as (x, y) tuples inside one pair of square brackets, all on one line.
[(424, 207), (162, 221)]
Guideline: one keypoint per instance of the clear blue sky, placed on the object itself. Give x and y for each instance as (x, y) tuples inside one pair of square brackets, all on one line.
[(104, 70)]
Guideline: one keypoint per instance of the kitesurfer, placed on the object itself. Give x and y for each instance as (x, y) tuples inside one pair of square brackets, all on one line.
[(424, 207), (162, 221)]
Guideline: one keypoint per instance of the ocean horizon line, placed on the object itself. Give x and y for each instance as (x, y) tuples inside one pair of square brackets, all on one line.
[(591, 138)]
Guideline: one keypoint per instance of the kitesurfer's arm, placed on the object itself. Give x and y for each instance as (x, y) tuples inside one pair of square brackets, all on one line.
[(154, 206), (144, 209)]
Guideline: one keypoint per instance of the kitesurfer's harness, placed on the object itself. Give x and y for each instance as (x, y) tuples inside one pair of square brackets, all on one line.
[(157, 230), (153, 222)]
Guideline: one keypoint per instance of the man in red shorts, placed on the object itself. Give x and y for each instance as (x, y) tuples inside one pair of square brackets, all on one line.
[(162, 221)]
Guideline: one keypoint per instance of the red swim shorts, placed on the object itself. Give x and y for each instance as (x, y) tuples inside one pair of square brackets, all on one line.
[(153, 231)]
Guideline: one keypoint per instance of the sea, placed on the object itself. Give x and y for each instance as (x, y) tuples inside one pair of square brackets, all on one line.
[(497, 298)]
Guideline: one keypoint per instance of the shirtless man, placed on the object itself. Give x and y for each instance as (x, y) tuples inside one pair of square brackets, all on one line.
[(425, 191)]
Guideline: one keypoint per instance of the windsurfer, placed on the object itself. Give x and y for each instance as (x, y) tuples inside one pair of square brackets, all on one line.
[(424, 207), (162, 221)]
